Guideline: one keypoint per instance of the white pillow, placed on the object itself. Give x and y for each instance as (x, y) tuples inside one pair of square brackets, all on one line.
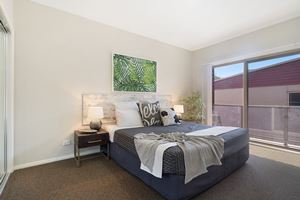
[(128, 118), (130, 105)]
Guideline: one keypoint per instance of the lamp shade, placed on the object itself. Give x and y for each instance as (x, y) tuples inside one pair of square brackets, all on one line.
[(178, 109), (95, 113)]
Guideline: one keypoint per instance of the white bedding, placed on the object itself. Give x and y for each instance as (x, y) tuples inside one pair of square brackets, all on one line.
[(215, 130), (112, 128)]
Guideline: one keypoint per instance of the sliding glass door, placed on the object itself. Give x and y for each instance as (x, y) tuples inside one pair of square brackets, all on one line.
[(262, 95), (2, 104), (274, 100)]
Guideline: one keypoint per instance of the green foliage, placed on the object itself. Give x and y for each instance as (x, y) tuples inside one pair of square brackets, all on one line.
[(194, 109), (134, 74)]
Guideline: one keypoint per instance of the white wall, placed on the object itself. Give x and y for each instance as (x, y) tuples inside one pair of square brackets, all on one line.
[(59, 56), (276, 38), (7, 7)]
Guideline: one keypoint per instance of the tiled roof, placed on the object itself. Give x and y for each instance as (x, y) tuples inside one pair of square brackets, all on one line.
[(287, 73)]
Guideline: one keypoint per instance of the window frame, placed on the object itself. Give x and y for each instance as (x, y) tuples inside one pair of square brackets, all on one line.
[(293, 92)]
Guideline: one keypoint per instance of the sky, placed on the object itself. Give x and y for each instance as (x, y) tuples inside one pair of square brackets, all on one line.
[(234, 69)]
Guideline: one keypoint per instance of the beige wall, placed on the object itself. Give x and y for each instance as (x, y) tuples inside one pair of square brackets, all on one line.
[(286, 33), (275, 95), (272, 39), (229, 96), (59, 56)]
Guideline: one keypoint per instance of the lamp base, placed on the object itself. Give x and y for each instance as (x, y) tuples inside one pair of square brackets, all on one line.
[(95, 125)]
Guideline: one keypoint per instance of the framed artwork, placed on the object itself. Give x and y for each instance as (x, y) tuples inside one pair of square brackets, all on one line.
[(132, 74)]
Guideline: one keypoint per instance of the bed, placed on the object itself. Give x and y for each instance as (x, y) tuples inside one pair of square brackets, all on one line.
[(171, 186)]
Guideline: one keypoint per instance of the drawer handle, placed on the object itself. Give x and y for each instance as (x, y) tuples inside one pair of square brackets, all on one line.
[(94, 141)]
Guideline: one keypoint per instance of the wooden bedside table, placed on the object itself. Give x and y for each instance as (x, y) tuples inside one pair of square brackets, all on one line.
[(83, 140)]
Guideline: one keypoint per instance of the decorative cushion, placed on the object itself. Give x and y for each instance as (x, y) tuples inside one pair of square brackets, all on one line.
[(150, 113), (168, 116)]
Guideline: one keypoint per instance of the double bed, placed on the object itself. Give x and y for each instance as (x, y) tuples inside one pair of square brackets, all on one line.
[(171, 186)]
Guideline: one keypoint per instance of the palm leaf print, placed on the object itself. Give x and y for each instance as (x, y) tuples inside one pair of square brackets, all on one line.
[(133, 74)]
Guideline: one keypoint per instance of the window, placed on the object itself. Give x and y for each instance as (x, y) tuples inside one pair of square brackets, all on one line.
[(294, 99)]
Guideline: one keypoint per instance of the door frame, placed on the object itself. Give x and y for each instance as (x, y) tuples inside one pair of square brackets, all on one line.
[(3, 29)]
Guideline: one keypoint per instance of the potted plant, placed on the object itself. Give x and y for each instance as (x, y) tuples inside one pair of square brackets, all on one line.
[(194, 108)]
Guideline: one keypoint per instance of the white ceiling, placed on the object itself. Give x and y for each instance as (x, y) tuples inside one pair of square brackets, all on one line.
[(190, 24)]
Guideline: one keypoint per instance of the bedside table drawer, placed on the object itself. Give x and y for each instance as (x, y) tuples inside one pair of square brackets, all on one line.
[(93, 140)]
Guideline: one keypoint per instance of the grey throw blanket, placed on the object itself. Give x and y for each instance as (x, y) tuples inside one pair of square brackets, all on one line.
[(199, 152)]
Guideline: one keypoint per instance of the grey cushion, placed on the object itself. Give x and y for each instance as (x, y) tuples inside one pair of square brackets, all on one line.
[(150, 113)]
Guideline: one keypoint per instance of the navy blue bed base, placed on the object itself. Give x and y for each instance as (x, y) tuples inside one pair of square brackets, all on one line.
[(172, 186)]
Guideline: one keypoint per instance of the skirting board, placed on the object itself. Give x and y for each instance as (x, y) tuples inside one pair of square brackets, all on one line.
[(55, 159), (2, 186)]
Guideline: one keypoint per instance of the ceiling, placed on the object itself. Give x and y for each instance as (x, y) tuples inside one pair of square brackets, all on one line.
[(189, 24)]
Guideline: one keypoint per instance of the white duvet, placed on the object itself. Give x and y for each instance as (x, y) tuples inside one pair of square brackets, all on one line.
[(112, 128)]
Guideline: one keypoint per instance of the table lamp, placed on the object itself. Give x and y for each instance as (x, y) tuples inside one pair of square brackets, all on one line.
[(94, 115), (179, 110)]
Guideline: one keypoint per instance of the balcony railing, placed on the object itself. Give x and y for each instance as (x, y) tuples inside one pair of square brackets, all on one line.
[(278, 125)]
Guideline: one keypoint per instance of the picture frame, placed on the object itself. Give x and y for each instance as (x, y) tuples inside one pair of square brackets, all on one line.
[(133, 74)]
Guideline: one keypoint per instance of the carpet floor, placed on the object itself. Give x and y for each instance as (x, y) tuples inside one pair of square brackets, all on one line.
[(259, 179)]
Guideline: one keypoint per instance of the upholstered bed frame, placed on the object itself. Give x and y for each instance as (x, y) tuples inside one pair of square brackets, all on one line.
[(172, 186)]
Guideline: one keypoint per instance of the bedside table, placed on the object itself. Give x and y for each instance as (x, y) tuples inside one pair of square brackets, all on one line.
[(83, 140)]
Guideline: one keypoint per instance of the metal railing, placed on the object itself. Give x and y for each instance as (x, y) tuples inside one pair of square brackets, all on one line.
[(279, 125)]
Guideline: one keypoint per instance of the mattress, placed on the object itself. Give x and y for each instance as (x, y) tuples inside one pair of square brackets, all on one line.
[(173, 159)]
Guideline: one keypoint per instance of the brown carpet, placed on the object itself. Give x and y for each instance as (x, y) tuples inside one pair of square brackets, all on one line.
[(259, 179)]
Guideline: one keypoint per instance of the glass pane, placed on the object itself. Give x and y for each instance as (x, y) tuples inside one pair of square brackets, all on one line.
[(294, 126), (228, 95), (2, 105), (266, 63), (265, 122), (270, 117), (294, 99)]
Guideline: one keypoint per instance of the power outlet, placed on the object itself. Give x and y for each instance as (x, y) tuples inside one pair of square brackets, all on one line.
[(67, 142)]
